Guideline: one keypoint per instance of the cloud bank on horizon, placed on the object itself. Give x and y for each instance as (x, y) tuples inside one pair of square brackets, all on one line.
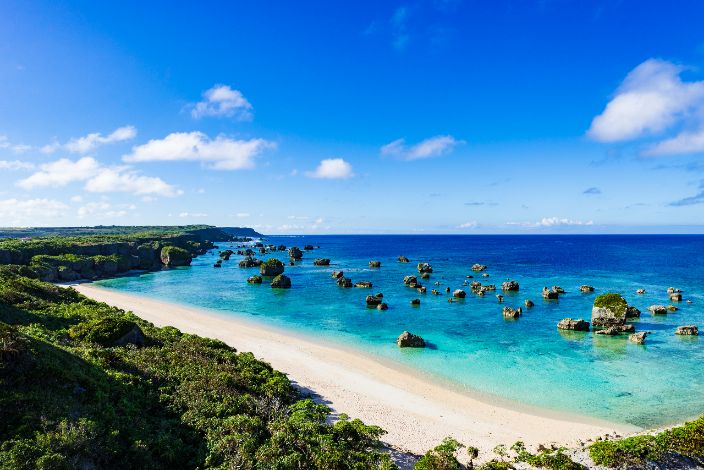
[(378, 119)]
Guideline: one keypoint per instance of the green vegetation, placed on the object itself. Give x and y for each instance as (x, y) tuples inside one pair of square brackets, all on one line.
[(552, 459), (441, 457), (686, 440), (614, 302), (179, 401)]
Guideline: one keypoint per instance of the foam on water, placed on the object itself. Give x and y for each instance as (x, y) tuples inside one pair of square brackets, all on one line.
[(526, 360)]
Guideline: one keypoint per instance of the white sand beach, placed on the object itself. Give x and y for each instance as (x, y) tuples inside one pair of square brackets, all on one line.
[(416, 413)]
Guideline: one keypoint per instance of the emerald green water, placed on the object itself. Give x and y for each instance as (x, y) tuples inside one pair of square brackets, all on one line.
[(470, 344)]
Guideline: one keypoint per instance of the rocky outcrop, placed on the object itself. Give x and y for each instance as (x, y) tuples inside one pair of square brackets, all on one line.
[(271, 267), (632, 312), (337, 274), (640, 291), (585, 289), (250, 263), (415, 302), (638, 338), (574, 325), (254, 279), (344, 282), (281, 281), (529, 303), (510, 286), (308, 247), (409, 340), (374, 264), (513, 313), (500, 298), (424, 268), (422, 289), (459, 294), (549, 294), (479, 267), (609, 310), (321, 262), (373, 300), (175, 256), (675, 297), (658, 309), (295, 253), (408, 280), (403, 259), (363, 284), (687, 330), (382, 306)]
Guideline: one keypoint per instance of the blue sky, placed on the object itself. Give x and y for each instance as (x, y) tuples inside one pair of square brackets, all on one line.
[(375, 117)]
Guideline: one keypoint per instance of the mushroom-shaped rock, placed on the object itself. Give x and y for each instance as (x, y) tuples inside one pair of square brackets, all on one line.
[(175, 256), (529, 303), (295, 253), (415, 302), (500, 298), (281, 247), (308, 247), (485, 275), (510, 286), (575, 325), (673, 290), (640, 291), (675, 297), (609, 310), (550, 294), (254, 280), (363, 284), (218, 264), (425, 275), (435, 292), (249, 262), (424, 268), (610, 331), (403, 259), (687, 330), (408, 280), (478, 267), (509, 312), (474, 285), (321, 262), (281, 281), (422, 289), (409, 340), (382, 306), (671, 308), (447, 289), (657, 309), (373, 300), (632, 312), (374, 264), (638, 338), (344, 282), (271, 267), (585, 289), (337, 274), (558, 289)]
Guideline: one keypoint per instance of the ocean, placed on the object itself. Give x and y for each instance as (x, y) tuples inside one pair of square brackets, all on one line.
[(470, 344)]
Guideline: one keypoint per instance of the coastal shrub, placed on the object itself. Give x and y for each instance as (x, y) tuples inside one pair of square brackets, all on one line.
[(442, 457), (614, 302), (686, 440), (496, 465), (554, 460), (180, 401), (104, 331)]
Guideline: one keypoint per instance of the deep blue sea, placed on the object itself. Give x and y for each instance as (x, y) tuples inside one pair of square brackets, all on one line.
[(471, 345)]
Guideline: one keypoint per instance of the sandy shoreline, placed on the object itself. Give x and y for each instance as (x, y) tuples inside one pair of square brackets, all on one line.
[(416, 413)]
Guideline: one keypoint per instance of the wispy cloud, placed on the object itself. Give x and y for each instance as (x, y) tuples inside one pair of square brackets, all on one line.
[(192, 215), (221, 153), (480, 203), (551, 222), (332, 168), (91, 141), (222, 101), (691, 200), (470, 224), (428, 148), (399, 28), (31, 211), (15, 165), (592, 191)]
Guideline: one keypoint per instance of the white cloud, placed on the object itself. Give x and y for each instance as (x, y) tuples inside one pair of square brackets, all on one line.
[(30, 211), (242, 215), (683, 143), (551, 222), (92, 141), (192, 215), (650, 100), (221, 100), (470, 224), (97, 178), (126, 180), (221, 153), (61, 172), (332, 168), (15, 165), (431, 147), (76, 198)]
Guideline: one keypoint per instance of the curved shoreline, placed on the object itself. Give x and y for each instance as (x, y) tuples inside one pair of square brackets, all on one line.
[(416, 413)]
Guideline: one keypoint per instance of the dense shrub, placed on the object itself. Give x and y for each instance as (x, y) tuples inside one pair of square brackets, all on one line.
[(104, 331), (441, 457)]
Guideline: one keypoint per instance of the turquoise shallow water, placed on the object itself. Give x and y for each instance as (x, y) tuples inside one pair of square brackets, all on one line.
[(471, 345)]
